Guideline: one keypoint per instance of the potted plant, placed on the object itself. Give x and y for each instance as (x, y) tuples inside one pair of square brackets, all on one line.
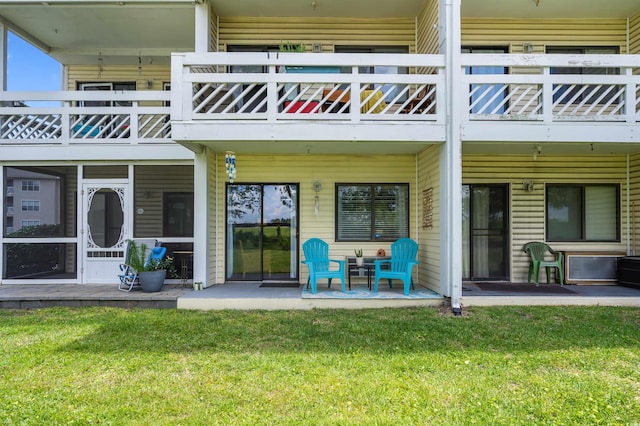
[(359, 258), (152, 271)]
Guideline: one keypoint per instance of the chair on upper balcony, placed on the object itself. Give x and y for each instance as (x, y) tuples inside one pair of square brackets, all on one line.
[(403, 258), (316, 253), (537, 251)]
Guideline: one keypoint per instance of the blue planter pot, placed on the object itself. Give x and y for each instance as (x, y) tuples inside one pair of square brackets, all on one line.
[(152, 281)]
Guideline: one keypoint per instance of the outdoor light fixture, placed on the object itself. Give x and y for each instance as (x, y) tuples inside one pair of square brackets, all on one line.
[(317, 186), (537, 150), (230, 165), (527, 185)]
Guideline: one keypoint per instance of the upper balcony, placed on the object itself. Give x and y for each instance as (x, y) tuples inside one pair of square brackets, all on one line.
[(335, 97), (554, 98), (220, 99), (296, 97)]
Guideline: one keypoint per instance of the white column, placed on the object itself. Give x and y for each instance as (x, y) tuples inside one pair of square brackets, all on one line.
[(3, 211), (202, 35), (451, 158), (201, 217), (3, 56)]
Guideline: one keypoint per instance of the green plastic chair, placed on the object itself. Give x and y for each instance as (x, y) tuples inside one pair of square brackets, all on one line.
[(403, 257), (316, 253), (536, 251)]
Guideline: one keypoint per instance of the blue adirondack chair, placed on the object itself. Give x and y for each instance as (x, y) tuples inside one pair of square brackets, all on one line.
[(316, 253), (400, 266), (129, 277)]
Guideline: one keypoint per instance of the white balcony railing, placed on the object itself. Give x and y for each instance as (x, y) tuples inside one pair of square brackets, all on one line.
[(84, 117), (283, 87), (278, 87), (552, 88)]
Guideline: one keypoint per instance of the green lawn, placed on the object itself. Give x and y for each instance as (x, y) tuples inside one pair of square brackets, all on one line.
[(505, 366)]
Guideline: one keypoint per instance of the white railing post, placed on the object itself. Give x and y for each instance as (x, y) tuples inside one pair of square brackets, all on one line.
[(180, 110), (65, 122), (547, 95), (272, 95), (134, 114), (630, 96), (465, 110), (354, 110)]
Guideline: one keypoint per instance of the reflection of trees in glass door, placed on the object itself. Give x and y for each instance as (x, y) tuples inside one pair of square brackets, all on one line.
[(262, 237), (485, 232)]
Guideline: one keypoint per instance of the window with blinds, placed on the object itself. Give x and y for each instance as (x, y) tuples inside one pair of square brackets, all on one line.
[(583, 212), (372, 212)]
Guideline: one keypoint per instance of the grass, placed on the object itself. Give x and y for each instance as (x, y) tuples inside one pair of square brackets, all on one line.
[(507, 365)]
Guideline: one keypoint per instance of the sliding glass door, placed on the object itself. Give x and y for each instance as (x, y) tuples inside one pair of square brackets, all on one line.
[(485, 220), (262, 232)]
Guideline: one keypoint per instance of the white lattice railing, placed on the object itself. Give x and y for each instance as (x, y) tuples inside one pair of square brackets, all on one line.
[(552, 88), (276, 87), (84, 117)]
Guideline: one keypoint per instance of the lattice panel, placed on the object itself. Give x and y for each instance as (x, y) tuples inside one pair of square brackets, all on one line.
[(28, 126)]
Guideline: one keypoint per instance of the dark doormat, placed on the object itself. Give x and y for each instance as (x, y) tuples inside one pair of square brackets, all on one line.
[(282, 284), (523, 288)]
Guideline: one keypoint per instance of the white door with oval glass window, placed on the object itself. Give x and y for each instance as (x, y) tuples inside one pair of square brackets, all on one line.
[(105, 229)]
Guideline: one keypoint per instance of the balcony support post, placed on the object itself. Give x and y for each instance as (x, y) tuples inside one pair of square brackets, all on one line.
[(202, 30), (451, 161), (201, 216), (3, 56), (2, 216)]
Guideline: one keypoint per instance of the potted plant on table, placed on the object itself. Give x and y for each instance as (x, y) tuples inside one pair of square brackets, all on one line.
[(152, 271), (359, 258)]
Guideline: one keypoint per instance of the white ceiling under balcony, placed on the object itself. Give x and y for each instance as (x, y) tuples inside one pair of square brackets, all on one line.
[(121, 32), (549, 9), (78, 32)]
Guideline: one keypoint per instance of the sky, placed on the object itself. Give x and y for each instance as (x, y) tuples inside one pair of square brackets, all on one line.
[(29, 69)]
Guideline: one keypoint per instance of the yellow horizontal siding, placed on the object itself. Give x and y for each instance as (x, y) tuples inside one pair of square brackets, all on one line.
[(156, 74), (329, 170), (213, 28), (634, 34), (329, 32), (427, 28), (544, 32), (429, 238), (215, 261), (527, 208), (151, 182)]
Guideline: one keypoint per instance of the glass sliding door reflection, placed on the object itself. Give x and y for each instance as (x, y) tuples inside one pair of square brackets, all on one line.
[(262, 232), (279, 232), (485, 232)]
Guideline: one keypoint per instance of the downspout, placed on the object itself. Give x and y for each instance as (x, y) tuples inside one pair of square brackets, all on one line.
[(628, 212), (217, 227), (417, 215), (628, 36)]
